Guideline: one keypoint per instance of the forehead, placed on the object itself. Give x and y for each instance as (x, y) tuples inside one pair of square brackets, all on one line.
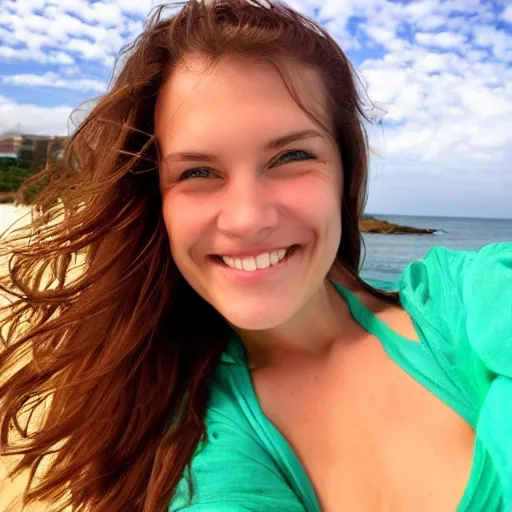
[(199, 97)]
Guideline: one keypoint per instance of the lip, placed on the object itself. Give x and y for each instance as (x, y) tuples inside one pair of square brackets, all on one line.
[(251, 252)]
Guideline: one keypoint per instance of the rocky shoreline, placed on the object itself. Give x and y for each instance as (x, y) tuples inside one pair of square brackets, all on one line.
[(382, 227)]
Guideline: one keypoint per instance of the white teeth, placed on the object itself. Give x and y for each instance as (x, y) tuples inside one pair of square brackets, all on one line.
[(263, 260), (274, 257), (250, 264)]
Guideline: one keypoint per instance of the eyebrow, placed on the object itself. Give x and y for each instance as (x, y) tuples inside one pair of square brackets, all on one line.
[(274, 144)]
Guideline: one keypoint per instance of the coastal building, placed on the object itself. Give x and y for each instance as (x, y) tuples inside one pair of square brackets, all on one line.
[(10, 142), (35, 150), (30, 150)]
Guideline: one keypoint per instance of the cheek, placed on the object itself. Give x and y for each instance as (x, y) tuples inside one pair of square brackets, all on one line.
[(319, 205), (168, 216), (181, 223), (316, 200)]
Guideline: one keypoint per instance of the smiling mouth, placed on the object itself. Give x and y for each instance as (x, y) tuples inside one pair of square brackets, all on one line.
[(259, 262)]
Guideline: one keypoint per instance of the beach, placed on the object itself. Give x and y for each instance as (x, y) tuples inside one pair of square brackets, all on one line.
[(11, 489), (11, 217)]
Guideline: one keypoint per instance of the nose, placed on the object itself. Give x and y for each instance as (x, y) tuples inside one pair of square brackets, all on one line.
[(247, 210)]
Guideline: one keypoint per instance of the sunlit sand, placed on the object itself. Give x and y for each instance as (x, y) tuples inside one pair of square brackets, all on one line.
[(12, 488)]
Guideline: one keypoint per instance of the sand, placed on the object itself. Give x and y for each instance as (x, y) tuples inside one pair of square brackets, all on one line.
[(10, 213), (11, 488)]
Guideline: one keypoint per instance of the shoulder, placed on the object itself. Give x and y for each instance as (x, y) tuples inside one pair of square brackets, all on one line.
[(458, 272), (447, 278), (466, 297)]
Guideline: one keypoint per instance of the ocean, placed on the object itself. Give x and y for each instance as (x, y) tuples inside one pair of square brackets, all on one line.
[(388, 255)]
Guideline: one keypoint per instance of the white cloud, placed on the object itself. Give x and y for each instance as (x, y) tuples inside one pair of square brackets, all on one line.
[(133, 29), (431, 22), (106, 14), (440, 39), (476, 56), (51, 79), (464, 7), (431, 62), (507, 14), (448, 123), (26, 54), (141, 7), (384, 36), (417, 10), (86, 49), (33, 118), (70, 71), (485, 103), (60, 31), (384, 85), (447, 118), (499, 40), (407, 104)]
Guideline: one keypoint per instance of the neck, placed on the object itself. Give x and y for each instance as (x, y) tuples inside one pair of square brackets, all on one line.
[(311, 332)]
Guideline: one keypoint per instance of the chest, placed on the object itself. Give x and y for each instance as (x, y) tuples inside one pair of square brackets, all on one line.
[(369, 436)]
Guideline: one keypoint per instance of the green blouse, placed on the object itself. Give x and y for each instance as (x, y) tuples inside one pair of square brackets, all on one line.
[(461, 306)]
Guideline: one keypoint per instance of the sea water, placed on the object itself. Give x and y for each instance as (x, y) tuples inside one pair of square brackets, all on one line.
[(388, 255)]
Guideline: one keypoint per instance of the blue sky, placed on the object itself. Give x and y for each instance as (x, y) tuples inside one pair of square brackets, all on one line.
[(441, 71)]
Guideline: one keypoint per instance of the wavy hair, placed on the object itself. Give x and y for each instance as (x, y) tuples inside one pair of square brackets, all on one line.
[(105, 368)]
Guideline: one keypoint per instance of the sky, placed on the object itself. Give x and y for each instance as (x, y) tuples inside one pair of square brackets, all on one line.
[(439, 71)]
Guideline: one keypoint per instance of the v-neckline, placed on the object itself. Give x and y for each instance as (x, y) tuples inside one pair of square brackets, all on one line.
[(399, 349)]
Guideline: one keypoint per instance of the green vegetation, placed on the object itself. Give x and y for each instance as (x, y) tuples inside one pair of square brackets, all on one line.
[(11, 178)]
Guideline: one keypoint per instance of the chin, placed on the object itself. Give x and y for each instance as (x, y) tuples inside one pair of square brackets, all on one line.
[(256, 319)]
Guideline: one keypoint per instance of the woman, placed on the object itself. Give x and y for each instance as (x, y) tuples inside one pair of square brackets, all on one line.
[(218, 350)]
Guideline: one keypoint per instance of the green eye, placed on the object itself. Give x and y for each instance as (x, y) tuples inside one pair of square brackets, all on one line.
[(199, 172), (203, 173), (291, 156)]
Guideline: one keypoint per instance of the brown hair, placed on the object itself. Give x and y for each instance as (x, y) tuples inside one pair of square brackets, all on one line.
[(112, 355)]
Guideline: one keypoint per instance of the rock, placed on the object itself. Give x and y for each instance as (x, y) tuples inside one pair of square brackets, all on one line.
[(372, 225)]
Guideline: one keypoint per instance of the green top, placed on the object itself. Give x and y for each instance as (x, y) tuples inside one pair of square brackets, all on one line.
[(461, 306)]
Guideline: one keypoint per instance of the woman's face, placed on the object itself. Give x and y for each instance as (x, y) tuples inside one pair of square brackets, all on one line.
[(251, 187)]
